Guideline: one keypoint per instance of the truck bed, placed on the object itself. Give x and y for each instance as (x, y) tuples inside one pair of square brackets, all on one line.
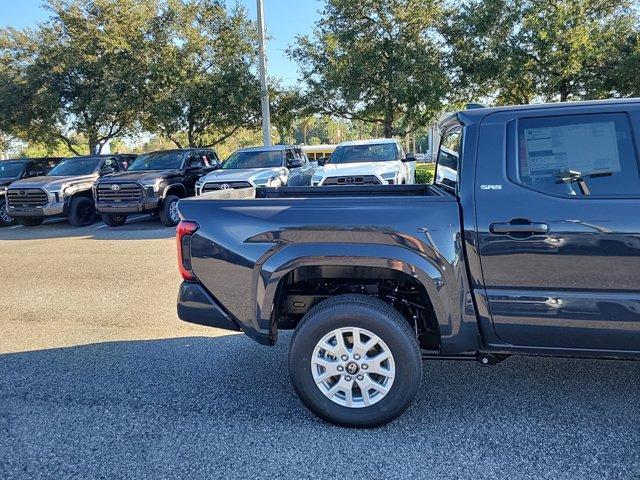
[(421, 190), (249, 239)]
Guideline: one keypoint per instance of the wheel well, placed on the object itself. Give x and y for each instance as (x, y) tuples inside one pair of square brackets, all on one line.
[(305, 287), (177, 190), (82, 193)]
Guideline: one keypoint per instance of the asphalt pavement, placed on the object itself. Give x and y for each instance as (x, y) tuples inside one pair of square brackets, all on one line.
[(99, 379)]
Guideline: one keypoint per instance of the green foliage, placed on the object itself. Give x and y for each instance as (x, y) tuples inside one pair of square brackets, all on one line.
[(202, 87), (520, 50), (377, 61), (424, 172), (81, 72)]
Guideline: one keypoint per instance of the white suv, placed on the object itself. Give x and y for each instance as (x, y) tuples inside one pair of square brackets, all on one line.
[(367, 162)]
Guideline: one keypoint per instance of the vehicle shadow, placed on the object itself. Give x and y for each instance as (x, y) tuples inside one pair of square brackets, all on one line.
[(140, 227), (223, 408)]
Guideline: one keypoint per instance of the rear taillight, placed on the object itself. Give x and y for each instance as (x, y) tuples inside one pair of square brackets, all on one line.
[(183, 237)]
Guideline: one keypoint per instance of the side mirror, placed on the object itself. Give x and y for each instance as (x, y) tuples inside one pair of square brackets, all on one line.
[(409, 158), (322, 161), (294, 163), (107, 171)]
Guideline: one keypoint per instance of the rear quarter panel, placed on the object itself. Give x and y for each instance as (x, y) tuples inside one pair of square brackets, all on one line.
[(244, 247)]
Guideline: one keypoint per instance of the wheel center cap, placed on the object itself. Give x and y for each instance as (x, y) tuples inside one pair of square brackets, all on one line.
[(352, 368)]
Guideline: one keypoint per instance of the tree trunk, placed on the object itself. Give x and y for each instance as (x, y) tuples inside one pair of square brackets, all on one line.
[(564, 92), (388, 128), (94, 148)]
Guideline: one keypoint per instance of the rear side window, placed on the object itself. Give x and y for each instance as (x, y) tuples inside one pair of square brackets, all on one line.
[(449, 159), (578, 155)]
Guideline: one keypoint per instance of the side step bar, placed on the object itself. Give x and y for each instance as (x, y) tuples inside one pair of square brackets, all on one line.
[(483, 358)]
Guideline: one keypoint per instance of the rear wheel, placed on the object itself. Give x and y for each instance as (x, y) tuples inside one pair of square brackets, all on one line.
[(169, 212), (30, 221), (82, 212), (5, 219), (114, 219), (354, 361)]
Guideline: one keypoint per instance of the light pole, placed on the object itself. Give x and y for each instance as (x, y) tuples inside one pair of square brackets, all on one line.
[(264, 93)]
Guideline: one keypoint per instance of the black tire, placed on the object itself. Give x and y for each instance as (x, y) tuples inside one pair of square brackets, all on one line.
[(5, 219), (378, 318), (165, 213), (114, 219), (82, 212), (30, 221)]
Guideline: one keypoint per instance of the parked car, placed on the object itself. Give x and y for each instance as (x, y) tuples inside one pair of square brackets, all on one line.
[(531, 249), (367, 162), (16, 169), (424, 157), (64, 191), (153, 184), (260, 167)]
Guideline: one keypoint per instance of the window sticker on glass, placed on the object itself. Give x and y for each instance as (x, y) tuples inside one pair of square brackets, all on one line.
[(587, 147)]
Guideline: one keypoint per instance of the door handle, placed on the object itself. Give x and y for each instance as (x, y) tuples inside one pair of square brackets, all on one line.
[(519, 227)]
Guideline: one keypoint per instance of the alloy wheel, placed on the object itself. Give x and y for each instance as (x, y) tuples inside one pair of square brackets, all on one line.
[(173, 212), (4, 216), (353, 367)]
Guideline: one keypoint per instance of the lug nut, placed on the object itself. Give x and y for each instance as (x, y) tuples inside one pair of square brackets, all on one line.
[(356, 357), (345, 358), (365, 366), (360, 377), (340, 368), (347, 378)]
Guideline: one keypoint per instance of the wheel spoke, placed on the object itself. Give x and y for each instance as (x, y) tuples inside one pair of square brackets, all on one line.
[(340, 345), (348, 395), (359, 347), (331, 349), (335, 389), (330, 369)]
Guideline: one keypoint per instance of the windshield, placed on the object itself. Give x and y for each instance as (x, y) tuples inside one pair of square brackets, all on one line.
[(11, 169), (157, 161), (255, 159), (380, 152), (75, 166)]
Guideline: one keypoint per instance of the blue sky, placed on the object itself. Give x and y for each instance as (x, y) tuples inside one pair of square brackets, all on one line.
[(285, 19)]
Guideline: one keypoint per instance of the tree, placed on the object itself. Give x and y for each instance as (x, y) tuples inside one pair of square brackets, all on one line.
[(286, 106), (377, 61), (80, 73), (203, 86), (518, 50)]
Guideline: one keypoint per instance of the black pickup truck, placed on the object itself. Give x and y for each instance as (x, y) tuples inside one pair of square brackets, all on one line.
[(153, 184), (528, 243)]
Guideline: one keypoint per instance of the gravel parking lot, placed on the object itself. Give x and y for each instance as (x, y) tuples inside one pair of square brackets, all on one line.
[(99, 379)]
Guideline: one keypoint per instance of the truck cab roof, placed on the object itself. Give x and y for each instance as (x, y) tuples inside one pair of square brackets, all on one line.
[(475, 115)]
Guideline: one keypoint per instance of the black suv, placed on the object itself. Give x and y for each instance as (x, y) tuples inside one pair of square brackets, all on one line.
[(64, 191), (15, 169), (153, 184)]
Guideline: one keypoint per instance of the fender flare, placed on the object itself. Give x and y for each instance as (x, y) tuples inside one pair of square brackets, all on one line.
[(275, 265), (178, 186)]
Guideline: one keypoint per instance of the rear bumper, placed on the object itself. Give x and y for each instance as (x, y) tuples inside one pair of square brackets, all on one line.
[(48, 210), (143, 206), (195, 305)]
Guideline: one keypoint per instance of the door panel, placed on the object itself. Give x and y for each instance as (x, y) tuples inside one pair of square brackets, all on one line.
[(559, 271)]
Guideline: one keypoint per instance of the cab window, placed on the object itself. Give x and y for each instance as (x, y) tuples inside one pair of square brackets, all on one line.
[(195, 161), (35, 170), (578, 155), (449, 153), (110, 163)]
